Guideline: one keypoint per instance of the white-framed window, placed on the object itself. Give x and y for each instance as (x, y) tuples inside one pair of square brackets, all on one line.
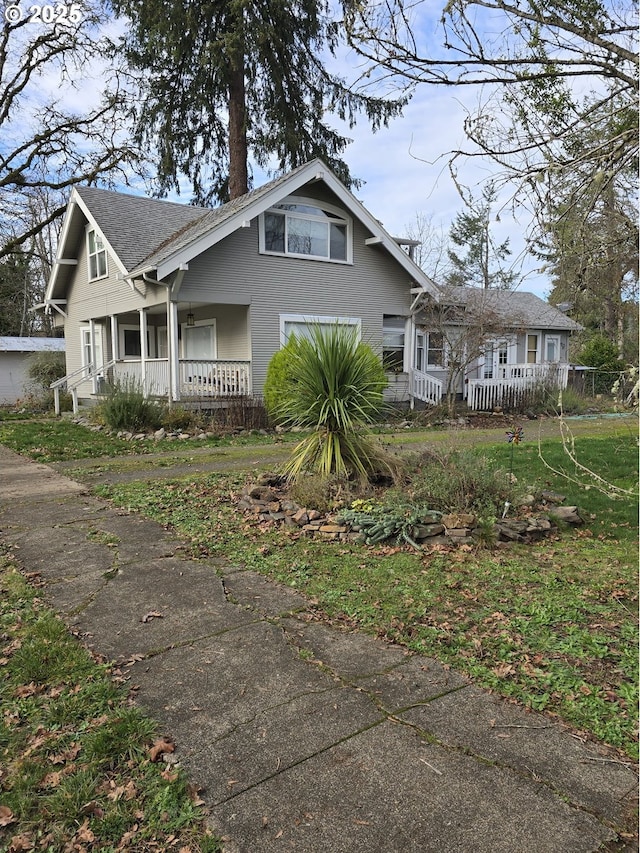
[(199, 342), (130, 344), (301, 325), (393, 339), (435, 349), (97, 255), (552, 348), (91, 356), (304, 228), (532, 349)]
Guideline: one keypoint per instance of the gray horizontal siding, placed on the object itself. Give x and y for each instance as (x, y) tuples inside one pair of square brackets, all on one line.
[(235, 270)]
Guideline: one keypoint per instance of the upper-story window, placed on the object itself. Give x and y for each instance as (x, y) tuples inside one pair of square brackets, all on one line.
[(97, 255), (302, 229)]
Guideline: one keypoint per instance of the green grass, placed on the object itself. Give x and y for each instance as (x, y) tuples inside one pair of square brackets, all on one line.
[(74, 750), (553, 625), (61, 440)]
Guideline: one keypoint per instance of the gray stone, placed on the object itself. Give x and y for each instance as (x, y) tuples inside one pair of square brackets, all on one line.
[(567, 514)]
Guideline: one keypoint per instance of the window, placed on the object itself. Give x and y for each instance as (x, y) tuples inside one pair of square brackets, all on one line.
[(393, 343), (552, 348), (300, 325), (130, 345), (97, 255), (199, 341), (302, 229), (532, 349), (91, 356), (435, 349)]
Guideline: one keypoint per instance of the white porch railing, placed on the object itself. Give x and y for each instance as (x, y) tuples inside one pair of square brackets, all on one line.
[(514, 383), (424, 387), (71, 381), (196, 379)]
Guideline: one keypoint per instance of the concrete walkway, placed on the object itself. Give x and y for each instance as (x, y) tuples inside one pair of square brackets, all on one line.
[(304, 737)]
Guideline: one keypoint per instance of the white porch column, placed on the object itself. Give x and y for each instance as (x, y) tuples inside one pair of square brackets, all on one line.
[(92, 340), (410, 356), (115, 342), (144, 355), (173, 350)]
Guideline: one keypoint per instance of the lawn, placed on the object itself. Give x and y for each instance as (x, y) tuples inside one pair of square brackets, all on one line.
[(552, 625), (54, 440), (76, 755)]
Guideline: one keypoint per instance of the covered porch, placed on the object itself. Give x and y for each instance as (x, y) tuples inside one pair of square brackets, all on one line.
[(179, 351)]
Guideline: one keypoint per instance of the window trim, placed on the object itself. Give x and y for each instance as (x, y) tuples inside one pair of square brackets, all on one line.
[(342, 217), (310, 319), (96, 254)]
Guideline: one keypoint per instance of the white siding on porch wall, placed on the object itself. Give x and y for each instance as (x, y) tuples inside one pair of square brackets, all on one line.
[(370, 287)]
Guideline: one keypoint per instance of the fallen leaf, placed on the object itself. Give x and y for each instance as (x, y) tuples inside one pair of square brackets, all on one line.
[(6, 816), (153, 614), (84, 834), (26, 690), (20, 844), (169, 775), (160, 747)]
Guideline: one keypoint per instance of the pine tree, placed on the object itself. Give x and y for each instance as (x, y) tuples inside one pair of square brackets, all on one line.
[(482, 264), (223, 82)]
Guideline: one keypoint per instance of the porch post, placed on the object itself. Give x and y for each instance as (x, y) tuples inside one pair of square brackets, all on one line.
[(115, 344), (143, 351), (92, 340), (410, 357), (173, 350)]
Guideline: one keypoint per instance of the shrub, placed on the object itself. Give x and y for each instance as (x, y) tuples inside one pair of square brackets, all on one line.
[(124, 406), (176, 418), (45, 367), (279, 377), (333, 386), (602, 353), (457, 481), (325, 494)]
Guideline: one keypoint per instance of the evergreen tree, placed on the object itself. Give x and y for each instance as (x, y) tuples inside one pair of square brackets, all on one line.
[(482, 264), (222, 81), (590, 241)]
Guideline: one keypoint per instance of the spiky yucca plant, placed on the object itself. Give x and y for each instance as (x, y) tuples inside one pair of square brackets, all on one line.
[(334, 389)]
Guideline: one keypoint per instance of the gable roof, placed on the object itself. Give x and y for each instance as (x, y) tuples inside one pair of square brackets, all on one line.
[(516, 308), (136, 225), (160, 237)]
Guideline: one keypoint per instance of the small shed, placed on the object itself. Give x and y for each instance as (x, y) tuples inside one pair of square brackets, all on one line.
[(14, 363)]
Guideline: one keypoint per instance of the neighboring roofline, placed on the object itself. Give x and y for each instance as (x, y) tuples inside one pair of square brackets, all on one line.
[(314, 170)]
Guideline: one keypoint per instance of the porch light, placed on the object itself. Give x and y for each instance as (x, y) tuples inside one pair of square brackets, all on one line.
[(191, 320)]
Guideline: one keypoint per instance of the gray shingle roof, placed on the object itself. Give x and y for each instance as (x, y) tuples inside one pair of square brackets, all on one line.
[(144, 231), (135, 225), (517, 307)]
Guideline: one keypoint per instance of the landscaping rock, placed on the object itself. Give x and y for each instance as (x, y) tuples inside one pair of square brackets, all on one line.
[(567, 514), (553, 497), (459, 519), (426, 531)]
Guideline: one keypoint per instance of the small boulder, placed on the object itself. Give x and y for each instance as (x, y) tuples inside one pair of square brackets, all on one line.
[(567, 514)]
